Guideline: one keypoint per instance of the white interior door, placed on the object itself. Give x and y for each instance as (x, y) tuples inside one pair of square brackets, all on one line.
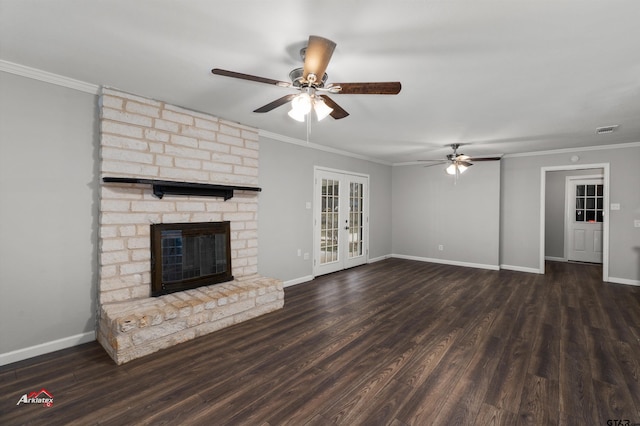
[(585, 209), (341, 230)]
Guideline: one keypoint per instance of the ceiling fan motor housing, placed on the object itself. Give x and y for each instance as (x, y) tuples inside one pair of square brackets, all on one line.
[(297, 79)]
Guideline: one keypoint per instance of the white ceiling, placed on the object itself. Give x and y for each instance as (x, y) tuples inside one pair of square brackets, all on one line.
[(502, 76)]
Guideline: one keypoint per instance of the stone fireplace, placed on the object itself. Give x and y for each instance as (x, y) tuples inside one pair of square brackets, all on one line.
[(151, 140)]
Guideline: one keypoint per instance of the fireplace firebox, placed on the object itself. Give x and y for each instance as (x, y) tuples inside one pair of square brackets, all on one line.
[(189, 255)]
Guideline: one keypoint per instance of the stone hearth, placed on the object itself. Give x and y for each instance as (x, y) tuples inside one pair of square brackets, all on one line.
[(132, 329)]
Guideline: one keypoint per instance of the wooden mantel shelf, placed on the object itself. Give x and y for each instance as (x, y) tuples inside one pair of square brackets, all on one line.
[(162, 187)]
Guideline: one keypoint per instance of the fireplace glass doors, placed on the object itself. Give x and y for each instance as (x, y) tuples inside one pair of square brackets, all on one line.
[(189, 255)]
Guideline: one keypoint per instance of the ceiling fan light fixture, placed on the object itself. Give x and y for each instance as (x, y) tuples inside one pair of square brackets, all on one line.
[(451, 169), (300, 107), (321, 108), (302, 103), (297, 115)]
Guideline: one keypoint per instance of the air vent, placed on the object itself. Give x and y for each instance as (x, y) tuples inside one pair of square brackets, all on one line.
[(606, 129)]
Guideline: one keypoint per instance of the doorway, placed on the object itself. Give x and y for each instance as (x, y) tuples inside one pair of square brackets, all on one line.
[(604, 169), (341, 220)]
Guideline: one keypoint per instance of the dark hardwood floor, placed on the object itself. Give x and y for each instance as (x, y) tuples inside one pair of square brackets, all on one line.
[(396, 342)]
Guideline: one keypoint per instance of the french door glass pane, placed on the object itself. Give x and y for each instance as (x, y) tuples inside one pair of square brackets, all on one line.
[(329, 221), (355, 219)]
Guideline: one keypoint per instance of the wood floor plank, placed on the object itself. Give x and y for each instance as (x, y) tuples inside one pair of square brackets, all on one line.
[(352, 407), (577, 398), (539, 403), (385, 405), (431, 395), (629, 363), (615, 404), (396, 342), (492, 416), (466, 398), (514, 361)]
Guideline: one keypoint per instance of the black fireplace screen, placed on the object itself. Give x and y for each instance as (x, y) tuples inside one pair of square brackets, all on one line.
[(189, 255)]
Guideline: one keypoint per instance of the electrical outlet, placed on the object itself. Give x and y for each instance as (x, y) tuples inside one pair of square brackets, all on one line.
[(440, 247), (636, 223)]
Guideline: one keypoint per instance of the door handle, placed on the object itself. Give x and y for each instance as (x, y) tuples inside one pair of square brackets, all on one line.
[(346, 227)]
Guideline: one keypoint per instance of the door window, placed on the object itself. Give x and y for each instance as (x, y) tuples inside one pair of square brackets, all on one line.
[(589, 203)]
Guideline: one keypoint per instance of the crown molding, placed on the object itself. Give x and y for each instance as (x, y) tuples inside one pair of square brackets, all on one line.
[(548, 152), (577, 149), (300, 142), (48, 77)]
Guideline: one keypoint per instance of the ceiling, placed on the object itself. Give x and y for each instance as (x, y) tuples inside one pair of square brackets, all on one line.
[(501, 76)]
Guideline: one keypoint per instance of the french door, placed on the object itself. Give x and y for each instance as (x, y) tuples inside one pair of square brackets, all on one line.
[(341, 221)]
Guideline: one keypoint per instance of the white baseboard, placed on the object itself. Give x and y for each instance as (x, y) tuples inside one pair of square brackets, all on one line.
[(521, 269), (45, 348), (447, 262), (378, 259), (297, 281), (555, 259), (623, 281)]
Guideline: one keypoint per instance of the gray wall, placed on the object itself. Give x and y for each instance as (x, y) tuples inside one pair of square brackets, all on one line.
[(520, 208), (431, 209), (48, 212), (555, 208), (286, 225)]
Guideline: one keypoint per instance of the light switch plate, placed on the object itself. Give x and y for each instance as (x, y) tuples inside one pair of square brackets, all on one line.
[(636, 223), (615, 206)]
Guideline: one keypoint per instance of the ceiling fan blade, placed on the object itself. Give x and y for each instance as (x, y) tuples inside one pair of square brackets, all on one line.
[(275, 104), (380, 88), (484, 158), (434, 164), (337, 112), (464, 163), (317, 57), (233, 74)]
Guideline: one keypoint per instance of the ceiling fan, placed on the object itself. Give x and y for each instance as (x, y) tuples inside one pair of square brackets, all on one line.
[(310, 80), (458, 163)]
